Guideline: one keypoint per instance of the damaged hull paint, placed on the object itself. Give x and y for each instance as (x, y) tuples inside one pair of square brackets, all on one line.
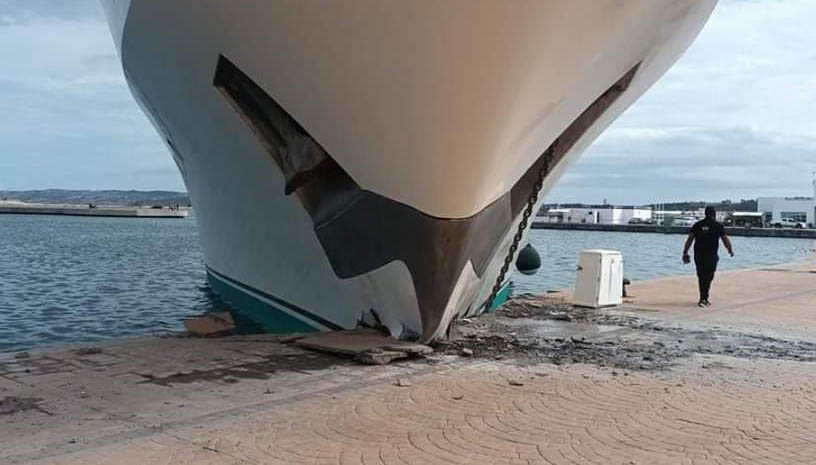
[(370, 161)]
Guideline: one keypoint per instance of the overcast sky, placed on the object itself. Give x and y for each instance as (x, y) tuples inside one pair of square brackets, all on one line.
[(735, 118)]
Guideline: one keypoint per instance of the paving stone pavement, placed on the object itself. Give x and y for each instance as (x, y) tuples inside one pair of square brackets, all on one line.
[(773, 300), (453, 411), (492, 413), (252, 400)]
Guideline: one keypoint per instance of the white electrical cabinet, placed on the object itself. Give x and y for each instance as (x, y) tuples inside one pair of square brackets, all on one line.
[(600, 279)]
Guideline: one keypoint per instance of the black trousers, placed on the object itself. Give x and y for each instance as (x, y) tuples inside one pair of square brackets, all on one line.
[(706, 267)]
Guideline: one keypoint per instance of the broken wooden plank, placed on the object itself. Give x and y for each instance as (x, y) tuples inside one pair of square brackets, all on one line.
[(361, 341), (290, 338), (380, 357)]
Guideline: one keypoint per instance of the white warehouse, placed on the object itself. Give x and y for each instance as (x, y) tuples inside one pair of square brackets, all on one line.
[(604, 214), (802, 209)]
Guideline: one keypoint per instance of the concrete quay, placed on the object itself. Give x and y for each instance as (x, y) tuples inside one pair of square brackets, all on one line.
[(657, 381), (21, 208)]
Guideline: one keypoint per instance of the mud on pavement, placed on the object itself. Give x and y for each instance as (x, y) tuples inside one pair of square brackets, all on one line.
[(12, 404), (532, 329)]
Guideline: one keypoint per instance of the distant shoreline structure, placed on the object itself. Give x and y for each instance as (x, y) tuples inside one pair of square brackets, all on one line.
[(660, 229), (128, 198), (16, 207), (798, 212)]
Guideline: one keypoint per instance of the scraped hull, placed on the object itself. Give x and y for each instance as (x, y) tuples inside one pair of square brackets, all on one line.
[(371, 160)]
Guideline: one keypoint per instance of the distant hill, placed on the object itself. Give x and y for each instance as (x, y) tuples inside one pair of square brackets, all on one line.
[(109, 197)]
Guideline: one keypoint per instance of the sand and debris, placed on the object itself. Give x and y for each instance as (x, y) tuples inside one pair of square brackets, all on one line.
[(537, 329)]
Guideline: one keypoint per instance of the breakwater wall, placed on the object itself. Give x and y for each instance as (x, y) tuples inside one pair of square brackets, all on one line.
[(653, 228), (80, 210)]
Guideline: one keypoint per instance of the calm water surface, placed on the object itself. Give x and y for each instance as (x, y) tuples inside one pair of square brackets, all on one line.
[(75, 280), (72, 279)]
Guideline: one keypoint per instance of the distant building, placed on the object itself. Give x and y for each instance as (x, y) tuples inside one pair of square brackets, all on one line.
[(677, 217), (802, 209), (745, 219), (601, 214)]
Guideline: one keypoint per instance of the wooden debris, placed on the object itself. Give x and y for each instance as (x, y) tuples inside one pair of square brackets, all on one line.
[(402, 383), (290, 338), (211, 324), (368, 346), (380, 357)]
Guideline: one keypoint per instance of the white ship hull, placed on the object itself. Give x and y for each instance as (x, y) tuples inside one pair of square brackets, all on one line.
[(368, 159)]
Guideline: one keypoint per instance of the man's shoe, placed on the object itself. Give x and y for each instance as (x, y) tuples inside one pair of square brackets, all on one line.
[(701, 304), (706, 303)]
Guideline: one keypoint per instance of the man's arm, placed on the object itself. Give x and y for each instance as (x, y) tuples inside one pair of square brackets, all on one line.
[(727, 242), (686, 248)]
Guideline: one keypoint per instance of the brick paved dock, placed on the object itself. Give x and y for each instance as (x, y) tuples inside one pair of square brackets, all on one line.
[(718, 396), (779, 300)]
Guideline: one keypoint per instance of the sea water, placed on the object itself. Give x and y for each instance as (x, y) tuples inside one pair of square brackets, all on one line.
[(70, 279), (647, 255), (80, 280)]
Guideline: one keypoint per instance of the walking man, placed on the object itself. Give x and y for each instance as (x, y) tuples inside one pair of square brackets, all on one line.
[(706, 235)]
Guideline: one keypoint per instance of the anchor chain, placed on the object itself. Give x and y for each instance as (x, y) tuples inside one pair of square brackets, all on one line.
[(525, 217)]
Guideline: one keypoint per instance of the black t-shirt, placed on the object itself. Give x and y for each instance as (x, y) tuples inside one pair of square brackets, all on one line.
[(707, 234)]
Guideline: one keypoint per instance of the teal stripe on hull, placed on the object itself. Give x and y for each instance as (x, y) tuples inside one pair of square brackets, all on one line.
[(502, 297), (255, 315)]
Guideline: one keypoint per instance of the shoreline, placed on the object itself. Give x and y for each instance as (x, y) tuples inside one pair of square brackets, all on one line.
[(655, 229), (97, 211)]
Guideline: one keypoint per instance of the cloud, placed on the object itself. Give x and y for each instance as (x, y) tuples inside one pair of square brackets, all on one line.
[(35, 10), (70, 119), (695, 163), (734, 118)]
